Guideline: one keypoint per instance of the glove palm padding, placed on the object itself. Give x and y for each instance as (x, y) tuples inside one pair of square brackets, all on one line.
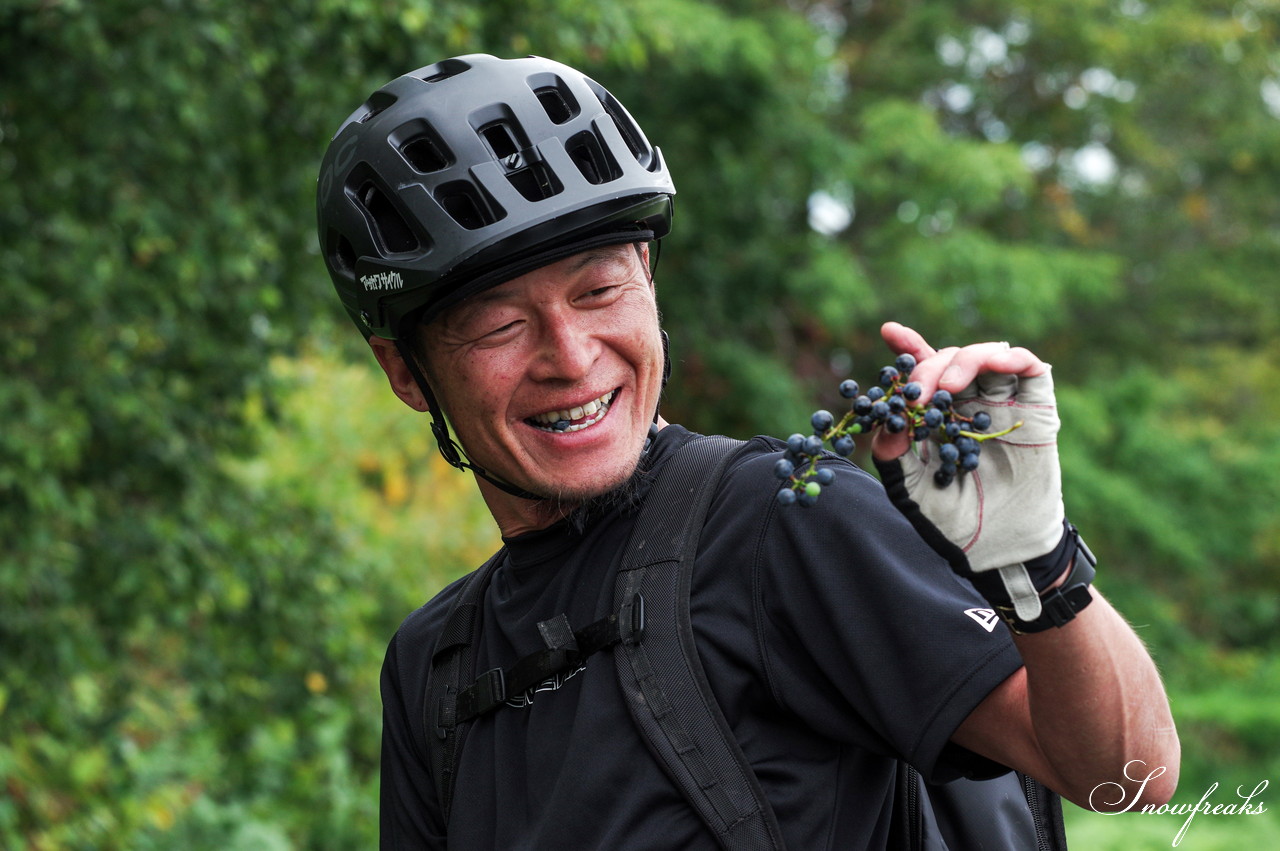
[(1003, 514)]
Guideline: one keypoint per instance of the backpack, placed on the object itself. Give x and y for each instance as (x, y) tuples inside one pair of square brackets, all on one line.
[(670, 699)]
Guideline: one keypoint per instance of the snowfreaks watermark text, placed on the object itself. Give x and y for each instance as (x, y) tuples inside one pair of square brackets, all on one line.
[(1247, 806)]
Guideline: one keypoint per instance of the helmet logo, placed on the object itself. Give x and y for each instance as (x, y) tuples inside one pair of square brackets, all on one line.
[(382, 281)]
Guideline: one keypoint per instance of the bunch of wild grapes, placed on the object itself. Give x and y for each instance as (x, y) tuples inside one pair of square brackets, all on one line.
[(894, 405)]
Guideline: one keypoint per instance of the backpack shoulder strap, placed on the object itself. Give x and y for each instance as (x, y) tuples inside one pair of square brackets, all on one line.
[(662, 678), (452, 666)]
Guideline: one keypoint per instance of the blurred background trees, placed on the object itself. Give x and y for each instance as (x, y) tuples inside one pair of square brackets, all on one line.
[(213, 515)]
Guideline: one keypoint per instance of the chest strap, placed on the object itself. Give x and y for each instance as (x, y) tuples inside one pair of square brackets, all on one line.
[(565, 652)]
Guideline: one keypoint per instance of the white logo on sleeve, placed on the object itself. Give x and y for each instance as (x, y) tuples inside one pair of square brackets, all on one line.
[(985, 618)]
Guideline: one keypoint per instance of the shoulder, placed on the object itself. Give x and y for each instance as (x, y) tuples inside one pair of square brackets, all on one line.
[(421, 627), (852, 544), (408, 658), (853, 502)]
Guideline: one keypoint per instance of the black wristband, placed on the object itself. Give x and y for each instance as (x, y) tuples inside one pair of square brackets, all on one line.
[(1060, 605), (1043, 570)]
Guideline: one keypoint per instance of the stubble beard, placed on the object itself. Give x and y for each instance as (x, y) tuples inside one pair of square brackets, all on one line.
[(624, 497), (581, 508)]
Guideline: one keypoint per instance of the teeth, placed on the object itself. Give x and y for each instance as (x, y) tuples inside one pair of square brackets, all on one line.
[(593, 411)]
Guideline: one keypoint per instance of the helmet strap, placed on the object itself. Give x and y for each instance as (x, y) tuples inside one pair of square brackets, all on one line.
[(449, 450)]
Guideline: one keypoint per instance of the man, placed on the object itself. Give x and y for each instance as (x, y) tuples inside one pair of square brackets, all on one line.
[(486, 223)]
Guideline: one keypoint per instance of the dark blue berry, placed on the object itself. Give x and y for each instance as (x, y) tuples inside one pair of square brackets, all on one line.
[(969, 462), (783, 468), (795, 443), (875, 394), (880, 410), (921, 433), (895, 423), (905, 363), (824, 476), (844, 446), (821, 421), (897, 404), (948, 453), (812, 445), (888, 375), (943, 479), (862, 405), (848, 388), (981, 421), (911, 391), (787, 496), (941, 399), (966, 444), (952, 430), (933, 418)]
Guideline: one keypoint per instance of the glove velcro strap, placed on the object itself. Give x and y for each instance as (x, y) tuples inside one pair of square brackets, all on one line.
[(1022, 593), (1042, 572), (1060, 605)]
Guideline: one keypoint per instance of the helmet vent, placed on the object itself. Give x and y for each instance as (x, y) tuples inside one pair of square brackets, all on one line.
[(556, 106), (592, 158), (426, 154), (377, 102), (500, 139), (443, 70), (535, 182), (556, 99), (467, 205), (627, 128), (390, 227), (341, 255)]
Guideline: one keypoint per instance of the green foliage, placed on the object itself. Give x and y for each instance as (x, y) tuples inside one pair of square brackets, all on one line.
[(211, 526)]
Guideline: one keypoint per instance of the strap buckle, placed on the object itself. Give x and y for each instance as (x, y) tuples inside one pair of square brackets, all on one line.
[(488, 691)]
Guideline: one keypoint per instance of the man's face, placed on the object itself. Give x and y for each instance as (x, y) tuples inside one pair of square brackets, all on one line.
[(578, 342)]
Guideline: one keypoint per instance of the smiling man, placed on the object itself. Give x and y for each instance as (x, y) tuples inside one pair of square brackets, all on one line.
[(487, 226), (551, 380)]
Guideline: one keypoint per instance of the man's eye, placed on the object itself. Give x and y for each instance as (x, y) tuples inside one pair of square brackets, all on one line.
[(501, 330), (601, 292)]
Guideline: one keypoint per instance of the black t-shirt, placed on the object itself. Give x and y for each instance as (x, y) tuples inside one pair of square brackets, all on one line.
[(834, 639)]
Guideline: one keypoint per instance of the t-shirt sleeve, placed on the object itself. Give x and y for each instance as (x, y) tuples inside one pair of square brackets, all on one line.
[(409, 813), (865, 631)]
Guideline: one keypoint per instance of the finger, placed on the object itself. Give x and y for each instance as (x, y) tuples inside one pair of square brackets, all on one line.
[(929, 370), (1018, 361), (973, 360), (904, 340)]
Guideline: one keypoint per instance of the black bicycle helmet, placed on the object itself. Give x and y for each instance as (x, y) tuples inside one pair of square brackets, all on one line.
[(463, 174)]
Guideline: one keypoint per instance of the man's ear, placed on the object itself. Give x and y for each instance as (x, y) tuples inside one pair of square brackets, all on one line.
[(398, 373)]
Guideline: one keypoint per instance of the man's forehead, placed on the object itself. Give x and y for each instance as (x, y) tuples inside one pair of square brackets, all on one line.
[(593, 259)]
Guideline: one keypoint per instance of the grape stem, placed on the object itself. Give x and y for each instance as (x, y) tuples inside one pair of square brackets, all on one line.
[(981, 436)]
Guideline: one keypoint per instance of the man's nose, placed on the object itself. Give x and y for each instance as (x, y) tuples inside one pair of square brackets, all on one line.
[(567, 348)]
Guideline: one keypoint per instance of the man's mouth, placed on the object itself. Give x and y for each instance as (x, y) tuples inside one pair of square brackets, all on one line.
[(574, 419)]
